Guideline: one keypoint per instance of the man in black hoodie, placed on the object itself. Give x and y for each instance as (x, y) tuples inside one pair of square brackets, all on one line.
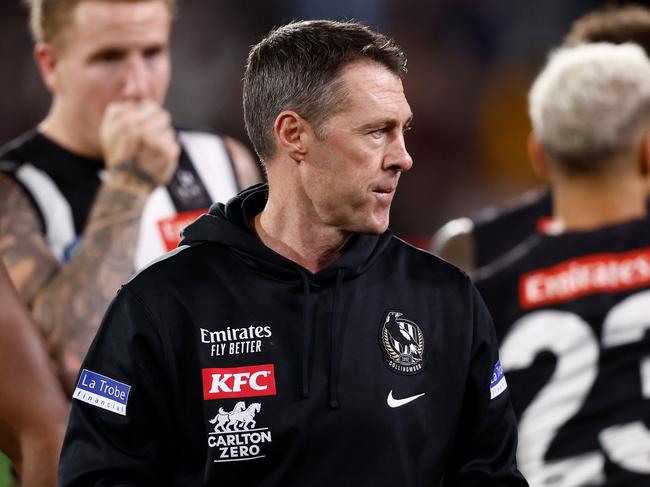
[(292, 340)]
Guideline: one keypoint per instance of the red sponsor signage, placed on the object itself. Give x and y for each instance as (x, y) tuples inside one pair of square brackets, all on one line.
[(171, 228), (597, 273), (545, 225), (250, 381)]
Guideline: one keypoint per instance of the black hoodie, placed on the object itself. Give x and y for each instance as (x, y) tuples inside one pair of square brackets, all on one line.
[(225, 363)]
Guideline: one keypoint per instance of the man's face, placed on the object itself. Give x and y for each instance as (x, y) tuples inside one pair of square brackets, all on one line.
[(113, 51), (351, 173)]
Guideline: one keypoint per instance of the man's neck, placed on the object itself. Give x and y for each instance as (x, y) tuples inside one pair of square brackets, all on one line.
[(285, 228), (56, 128), (592, 204)]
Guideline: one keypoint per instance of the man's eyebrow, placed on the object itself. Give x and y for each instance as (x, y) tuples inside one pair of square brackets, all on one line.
[(389, 123), (117, 52), (108, 52), (155, 47)]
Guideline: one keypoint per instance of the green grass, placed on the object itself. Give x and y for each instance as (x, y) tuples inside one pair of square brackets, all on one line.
[(6, 479)]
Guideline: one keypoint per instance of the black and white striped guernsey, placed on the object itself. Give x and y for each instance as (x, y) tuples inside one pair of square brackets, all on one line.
[(62, 187), (572, 315)]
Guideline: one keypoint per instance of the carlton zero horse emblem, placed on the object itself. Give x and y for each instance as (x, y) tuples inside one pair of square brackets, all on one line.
[(240, 418)]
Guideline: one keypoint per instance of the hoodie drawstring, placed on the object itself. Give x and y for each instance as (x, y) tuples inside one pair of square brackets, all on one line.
[(307, 330), (335, 348), (335, 340)]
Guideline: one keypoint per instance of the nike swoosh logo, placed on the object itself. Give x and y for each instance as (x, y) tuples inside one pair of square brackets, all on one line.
[(395, 403)]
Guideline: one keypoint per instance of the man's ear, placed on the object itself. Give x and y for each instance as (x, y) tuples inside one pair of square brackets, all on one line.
[(538, 157), (291, 134), (47, 58)]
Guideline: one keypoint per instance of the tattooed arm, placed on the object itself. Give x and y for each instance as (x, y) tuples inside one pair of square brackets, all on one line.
[(70, 307), (69, 301), (22, 245)]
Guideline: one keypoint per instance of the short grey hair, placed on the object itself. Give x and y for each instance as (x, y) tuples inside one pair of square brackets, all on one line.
[(591, 104), (297, 66)]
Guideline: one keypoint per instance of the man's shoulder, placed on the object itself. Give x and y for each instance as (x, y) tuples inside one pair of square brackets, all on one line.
[(430, 266), (188, 266), (551, 253), (221, 153), (498, 229), (511, 264), (201, 144), (18, 150), (186, 134), (530, 204), (454, 242), (197, 141), (179, 264), (472, 242)]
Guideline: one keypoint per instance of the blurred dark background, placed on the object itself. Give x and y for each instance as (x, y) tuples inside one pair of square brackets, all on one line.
[(470, 65)]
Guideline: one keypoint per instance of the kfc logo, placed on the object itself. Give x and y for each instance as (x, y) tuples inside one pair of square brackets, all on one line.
[(251, 381)]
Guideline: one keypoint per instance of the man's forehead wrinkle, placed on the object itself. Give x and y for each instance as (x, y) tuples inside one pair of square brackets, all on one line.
[(370, 91)]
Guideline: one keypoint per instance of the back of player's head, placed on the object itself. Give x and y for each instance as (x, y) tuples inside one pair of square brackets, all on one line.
[(591, 104), (295, 67), (49, 18), (630, 23)]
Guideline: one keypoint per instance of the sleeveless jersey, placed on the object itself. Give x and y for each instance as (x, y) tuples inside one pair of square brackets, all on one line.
[(572, 314), (63, 186)]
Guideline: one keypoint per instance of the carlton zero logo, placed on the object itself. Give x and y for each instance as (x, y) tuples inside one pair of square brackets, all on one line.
[(583, 276), (402, 342), (236, 435), (250, 381)]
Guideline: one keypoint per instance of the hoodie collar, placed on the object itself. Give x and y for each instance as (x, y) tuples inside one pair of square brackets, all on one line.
[(229, 225)]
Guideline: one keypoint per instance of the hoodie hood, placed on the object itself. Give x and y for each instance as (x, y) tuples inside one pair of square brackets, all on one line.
[(229, 225)]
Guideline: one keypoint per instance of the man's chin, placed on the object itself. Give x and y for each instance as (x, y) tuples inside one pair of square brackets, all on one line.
[(373, 228)]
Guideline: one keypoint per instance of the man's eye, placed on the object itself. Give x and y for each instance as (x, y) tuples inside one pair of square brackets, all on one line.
[(152, 52), (109, 56)]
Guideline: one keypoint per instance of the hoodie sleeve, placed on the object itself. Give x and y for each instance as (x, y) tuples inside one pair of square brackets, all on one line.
[(484, 453), (119, 428)]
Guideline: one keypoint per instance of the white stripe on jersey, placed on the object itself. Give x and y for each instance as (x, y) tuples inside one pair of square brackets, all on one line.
[(210, 158), (212, 163), (645, 377), (150, 244), (55, 209)]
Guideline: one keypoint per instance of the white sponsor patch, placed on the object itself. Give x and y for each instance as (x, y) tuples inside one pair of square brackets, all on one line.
[(102, 392), (498, 381)]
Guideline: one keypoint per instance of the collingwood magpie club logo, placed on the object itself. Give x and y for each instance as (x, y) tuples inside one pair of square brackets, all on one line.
[(402, 342), (236, 435)]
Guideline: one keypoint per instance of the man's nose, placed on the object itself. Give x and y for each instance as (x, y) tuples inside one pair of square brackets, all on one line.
[(136, 83), (397, 156)]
